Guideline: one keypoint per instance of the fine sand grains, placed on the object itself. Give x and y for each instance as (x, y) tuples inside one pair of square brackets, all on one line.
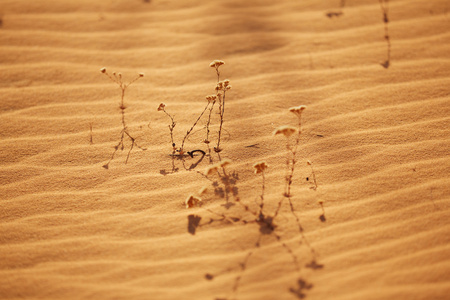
[(371, 180)]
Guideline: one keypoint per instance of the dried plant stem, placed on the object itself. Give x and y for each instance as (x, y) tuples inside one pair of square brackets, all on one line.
[(91, 141), (261, 205), (220, 108), (171, 126), (124, 133), (290, 166), (192, 128), (221, 113), (209, 122), (216, 66), (221, 88), (384, 5)]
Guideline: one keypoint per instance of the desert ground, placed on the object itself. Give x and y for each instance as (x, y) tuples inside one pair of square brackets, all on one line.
[(351, 200)]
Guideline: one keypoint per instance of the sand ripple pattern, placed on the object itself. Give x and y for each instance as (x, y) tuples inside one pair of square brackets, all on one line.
[(378, 138)]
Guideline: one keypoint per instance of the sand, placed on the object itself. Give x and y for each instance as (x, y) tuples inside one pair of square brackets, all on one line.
[(375, 221)]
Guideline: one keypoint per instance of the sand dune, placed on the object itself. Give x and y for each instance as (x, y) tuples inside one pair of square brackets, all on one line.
[(377, 138)]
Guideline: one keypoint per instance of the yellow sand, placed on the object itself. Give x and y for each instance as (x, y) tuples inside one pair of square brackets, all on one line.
[(377, 138)]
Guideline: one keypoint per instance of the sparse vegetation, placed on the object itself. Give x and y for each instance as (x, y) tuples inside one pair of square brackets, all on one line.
[(225, 186), (224, 181), (221, 88), (125, 133)]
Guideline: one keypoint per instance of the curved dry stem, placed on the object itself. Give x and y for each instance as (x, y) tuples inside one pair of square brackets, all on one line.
[(192, 128)]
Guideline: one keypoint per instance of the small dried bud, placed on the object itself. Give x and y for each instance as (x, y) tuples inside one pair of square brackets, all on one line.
[(216, 63), (103, 70), (219, 86), (211, 98), (260, 167), (161, 107), (192, 201), (297, 109), (141, 74), (287, 131)]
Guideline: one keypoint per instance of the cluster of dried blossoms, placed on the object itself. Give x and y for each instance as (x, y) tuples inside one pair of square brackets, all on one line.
[(260, 167)]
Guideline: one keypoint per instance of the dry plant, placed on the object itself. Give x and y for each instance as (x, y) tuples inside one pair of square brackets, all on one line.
[(221, 88), (291, 147), (290, 133), (225, 186), (384, 5), (117, 79), (181, 151), (91, 139), (162, 107)]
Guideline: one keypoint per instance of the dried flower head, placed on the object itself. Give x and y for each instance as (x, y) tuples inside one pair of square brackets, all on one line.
[(161, 106), (297, 109), (141, 74), (103, 70), (219, 86), (226, 84), (192, 201), (287, 131), (216, 63), (260, 167), (211, 98), (308, 162)]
